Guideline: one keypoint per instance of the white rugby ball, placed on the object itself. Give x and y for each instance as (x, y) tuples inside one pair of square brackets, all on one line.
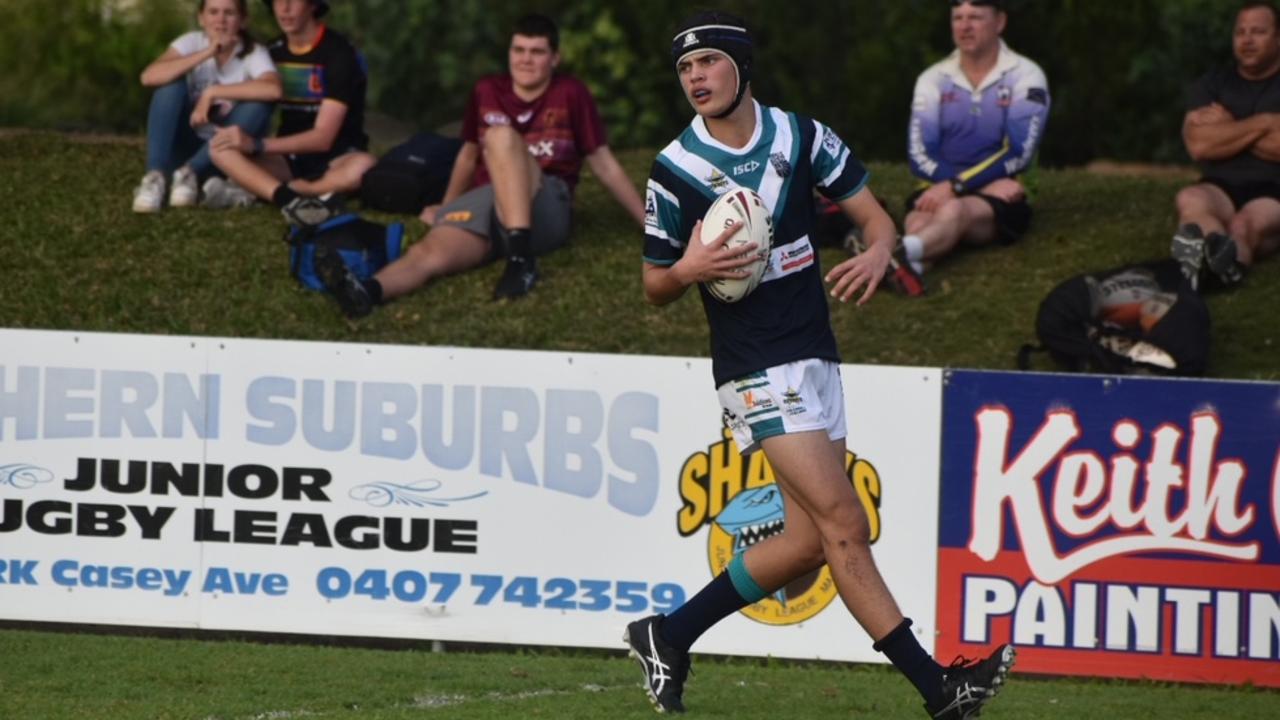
[(745, 206)]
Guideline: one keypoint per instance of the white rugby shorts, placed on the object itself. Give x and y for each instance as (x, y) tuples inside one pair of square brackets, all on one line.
[(797, 397)]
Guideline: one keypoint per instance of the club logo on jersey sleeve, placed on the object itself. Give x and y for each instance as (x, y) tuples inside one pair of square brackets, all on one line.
[(736, 499)]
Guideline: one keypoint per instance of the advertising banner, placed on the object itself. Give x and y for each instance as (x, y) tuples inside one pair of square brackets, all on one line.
[(1112, 527), (430, 493)]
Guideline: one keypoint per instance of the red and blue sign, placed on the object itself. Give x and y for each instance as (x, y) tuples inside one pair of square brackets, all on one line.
[(1114, 527)]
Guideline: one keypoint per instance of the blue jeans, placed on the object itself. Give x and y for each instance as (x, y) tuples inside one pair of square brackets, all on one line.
[(171, 143)]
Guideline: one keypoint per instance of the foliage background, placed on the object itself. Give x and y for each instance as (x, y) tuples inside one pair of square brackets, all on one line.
[(1117, 70)]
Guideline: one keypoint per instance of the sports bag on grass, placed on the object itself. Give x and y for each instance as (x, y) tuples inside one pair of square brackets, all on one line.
[(1134, 319), (365, 246), (411, 175)]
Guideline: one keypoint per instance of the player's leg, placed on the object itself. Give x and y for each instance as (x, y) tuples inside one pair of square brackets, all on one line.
[(342, 176), (810, 467), (661, 644)]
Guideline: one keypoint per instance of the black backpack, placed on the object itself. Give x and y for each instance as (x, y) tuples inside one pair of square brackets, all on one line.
[(1134, 319), (366, 247), (411, 176)]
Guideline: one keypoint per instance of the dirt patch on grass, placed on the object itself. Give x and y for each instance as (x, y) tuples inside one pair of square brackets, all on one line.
[(1112, 167)]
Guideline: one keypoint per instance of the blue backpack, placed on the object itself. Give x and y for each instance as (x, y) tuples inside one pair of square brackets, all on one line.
[(365, 246)]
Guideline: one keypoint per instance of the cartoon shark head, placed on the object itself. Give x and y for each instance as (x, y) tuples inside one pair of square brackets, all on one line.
[(752, 516)]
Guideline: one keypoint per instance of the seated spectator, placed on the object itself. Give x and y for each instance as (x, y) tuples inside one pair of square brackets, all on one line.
[(212, 77), (1231, 217), (977, 118), (319, 149), (526, 134)]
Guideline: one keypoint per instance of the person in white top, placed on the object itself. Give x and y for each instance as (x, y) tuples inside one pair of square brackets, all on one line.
[(213, 77)]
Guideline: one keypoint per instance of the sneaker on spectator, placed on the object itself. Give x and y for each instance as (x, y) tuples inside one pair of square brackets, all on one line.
[(184, 191), (342, 284), (305, 211), (1188, 249), (148, 197), (518, 278), (902, 277), (221, 193), (1220, 257)]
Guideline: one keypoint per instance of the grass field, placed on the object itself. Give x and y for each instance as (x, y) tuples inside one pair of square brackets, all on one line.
[(53, 675), (76, 258)]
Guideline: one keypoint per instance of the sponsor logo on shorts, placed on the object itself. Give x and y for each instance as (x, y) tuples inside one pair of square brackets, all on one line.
[(793, 403), (736, 499), (457, 216)]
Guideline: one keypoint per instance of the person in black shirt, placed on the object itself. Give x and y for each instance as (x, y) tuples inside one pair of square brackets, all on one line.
[(319, 149), (1231, 217)]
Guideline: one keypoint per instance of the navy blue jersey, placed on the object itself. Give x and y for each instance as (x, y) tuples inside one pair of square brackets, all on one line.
[(786, 318)]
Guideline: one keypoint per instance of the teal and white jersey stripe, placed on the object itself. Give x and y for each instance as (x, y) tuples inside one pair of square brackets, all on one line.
[(787, 157)]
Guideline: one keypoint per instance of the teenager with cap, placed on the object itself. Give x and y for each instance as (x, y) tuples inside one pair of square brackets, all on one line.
[(775, 345), (526, 134), (319, 149), (977, 119), (1231, 216), (205, 79)]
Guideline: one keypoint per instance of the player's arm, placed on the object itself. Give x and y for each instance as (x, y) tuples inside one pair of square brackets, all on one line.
[(864, 269), (700, 263), (1211, 133), (610, 173)]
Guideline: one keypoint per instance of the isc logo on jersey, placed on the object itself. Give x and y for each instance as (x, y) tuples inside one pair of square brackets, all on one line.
[(740, 205), (737, 498)]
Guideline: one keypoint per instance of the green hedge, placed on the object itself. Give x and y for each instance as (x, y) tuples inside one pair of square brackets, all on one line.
[(1117, 70)]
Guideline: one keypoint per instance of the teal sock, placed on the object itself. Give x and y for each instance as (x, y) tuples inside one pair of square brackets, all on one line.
[(721, 598)]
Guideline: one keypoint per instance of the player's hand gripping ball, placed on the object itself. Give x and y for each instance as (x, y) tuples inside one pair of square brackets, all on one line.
[(745, 206)]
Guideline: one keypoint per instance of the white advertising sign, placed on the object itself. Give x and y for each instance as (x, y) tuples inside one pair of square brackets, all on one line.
[(415, 492)]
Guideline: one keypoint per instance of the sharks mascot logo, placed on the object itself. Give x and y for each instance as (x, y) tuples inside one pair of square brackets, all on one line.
[(737, 498)]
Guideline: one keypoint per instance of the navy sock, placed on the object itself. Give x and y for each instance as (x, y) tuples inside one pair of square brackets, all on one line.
[(904, 651), (714, 602), (283, 195), (374, 288)]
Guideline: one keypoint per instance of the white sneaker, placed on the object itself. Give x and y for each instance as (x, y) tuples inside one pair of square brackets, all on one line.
[(148, 197), (222, 193), (184, 191)]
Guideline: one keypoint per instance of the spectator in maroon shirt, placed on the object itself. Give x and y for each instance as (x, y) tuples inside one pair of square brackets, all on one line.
[(526, 134)]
